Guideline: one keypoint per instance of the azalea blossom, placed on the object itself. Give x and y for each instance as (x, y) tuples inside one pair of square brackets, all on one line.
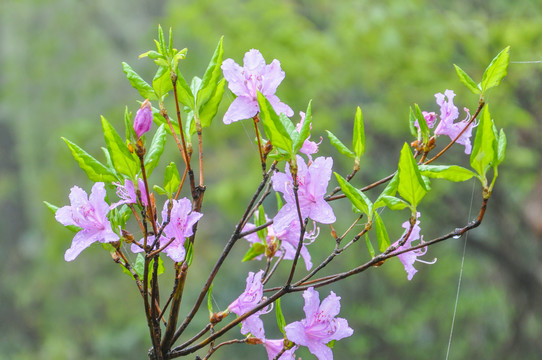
[(313, 181), (409, 258), (143, 119), (448, 114), (181, 221), (127, 193), (246, 81), (273, 347), (320, 325), (289, 239), (430, 119), (309, 147), (249, 299), (90, 214)]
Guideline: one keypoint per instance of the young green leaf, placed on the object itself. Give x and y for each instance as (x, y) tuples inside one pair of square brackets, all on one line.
[(467, 80), (358, 139), (95, 170), (484, 151), (123, 160), (411, 185), (369, 245), (54, 209), (305, 129), (210, 78), (255, 250), (447, 172), (274, 127), (184, 93), (162, 82), (496, 70), (381, 233), (281, 322), (424, 129), (339, 145), (356, 197), (155, 150), (501, 147), (393, 203), (210, 108), (389, 190), (210, 300), (144, 89), (171, 179)]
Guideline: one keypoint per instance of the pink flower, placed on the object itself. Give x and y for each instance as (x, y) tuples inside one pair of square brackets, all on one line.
[(128, 194), (320, 325), (181, 221), (273, 347), (289, 239), (313, 181), (245, 81), (409, 258), (143, 119), (90, 214), (309, 147), (249, 299), (448, 114), (430, 119)]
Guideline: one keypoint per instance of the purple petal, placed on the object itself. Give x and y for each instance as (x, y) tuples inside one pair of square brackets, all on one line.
[(272, 77), (320, 174), (254, 325), (82, 240), (312, 302), (64, 215), (97, 200), (234, 75), (253, 61), (321, 351), (322, 212), (241, 108), (331, 305), (295, 332), (279, 106)]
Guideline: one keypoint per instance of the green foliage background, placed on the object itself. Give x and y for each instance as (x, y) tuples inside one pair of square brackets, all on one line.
[(60, 69)]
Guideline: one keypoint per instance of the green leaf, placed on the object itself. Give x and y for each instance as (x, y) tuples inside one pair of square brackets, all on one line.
[(210, 78), (339, 145), (411, 185), (210, 300), (255, 250), (209, 110), (356, 197), (467, 80), (484, 151), (358, 140), (128, 127), (501, 147), (304, 132), (274, 127), (123, 160), (369, 245), (152, 157), (94, 169), (162, 82), (160, 190), (381, 233), (447, 172), (184, 93), (259, 221), (390, 190), (424, 129), (144, 89), (281, 322), (496, 70), (171, 179), (189, 254), (279, 201), (54, 209), (394, 203), (411, 122), (108, 160), (139, 265)]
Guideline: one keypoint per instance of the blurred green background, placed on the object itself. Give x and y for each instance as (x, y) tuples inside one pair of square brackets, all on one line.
[(60, 69)]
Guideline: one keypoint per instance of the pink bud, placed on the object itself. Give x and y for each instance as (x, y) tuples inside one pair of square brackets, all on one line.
[(143, 119)]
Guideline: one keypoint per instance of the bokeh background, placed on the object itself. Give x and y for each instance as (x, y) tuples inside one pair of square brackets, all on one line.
[(60, 69)]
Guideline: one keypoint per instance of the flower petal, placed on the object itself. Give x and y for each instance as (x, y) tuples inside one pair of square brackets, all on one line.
[(241, 108), (234, 75)]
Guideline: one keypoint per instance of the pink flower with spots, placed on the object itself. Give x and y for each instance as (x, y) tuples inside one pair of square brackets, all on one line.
[(320, 325), (246, 81), (313, 181), (247, 301), (181, 221), (90, 214), (127, 193), (448, 114)]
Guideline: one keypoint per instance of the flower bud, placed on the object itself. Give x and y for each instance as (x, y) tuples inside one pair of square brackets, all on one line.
[(143, 119)]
